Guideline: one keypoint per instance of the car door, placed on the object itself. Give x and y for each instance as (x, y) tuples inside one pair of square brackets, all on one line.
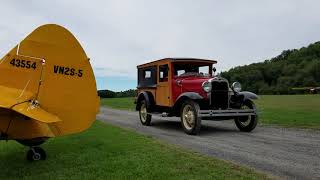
[(163, 87)]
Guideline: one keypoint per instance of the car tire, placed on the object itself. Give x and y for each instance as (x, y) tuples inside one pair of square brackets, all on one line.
[(145, 118), (190, 120), (247, 124)]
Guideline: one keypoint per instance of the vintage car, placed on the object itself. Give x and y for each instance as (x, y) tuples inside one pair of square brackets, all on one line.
[(187, 88)]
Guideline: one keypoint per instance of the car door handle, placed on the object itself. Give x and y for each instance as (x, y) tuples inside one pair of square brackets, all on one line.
[(178, 82)]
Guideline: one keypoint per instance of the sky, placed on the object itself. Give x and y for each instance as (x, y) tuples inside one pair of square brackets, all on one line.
[(118, 35)]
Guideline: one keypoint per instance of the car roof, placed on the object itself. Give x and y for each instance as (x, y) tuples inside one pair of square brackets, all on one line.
[(177, 60)]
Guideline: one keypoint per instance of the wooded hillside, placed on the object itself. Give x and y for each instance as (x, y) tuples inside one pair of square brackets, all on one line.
[(112, 94), (292, 68)]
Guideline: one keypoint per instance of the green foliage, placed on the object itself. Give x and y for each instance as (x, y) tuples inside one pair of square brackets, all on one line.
[(292, 68), (111, 94), (106, 94), (108, 152)]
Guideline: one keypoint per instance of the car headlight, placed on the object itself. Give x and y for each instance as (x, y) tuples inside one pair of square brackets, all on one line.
[(236, 87), (206, 86)]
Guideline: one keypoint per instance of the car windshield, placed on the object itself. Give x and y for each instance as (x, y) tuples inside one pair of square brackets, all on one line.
[(181, 70)]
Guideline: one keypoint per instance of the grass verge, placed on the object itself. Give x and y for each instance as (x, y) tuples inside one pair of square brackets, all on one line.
[(108, 152)]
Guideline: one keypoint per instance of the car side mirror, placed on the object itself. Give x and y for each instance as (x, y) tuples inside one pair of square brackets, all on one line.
[(214, 69)]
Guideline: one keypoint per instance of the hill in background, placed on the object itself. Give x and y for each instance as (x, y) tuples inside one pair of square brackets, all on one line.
[(112, 94), (292, 68)]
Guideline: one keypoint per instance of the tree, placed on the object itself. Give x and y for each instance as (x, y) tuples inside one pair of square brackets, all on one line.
[(292, 68)]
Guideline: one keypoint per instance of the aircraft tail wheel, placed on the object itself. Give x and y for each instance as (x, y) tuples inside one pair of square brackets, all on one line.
[(36, 154)]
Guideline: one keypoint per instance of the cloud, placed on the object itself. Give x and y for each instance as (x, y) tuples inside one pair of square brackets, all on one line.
[(119, 35)]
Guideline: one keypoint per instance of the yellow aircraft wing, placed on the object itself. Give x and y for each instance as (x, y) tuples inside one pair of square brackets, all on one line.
[(35, 112)]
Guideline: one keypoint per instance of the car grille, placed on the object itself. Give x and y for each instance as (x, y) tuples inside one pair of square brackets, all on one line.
[(220, 95)]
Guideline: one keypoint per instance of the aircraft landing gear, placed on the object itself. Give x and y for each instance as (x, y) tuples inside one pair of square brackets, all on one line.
[(36, 154)]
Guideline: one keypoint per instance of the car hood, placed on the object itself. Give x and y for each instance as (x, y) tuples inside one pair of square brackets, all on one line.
[(192, 84)]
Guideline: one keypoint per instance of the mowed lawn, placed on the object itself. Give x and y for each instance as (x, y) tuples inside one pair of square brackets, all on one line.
[(301, 111), (119, 103), (108, 152)]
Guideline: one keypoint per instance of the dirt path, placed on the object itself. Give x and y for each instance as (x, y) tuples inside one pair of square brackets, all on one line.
[(287, 153)]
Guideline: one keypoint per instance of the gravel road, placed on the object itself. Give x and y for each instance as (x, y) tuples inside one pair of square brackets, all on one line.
[(286, 153)]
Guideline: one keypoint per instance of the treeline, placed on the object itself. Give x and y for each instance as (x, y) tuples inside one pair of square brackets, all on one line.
[(112, 94), (292, 68)]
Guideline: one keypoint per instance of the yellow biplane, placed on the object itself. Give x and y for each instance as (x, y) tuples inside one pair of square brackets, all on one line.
[(47, 89)]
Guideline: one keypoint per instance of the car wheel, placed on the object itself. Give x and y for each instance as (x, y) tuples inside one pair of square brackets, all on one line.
[(145, 118), (190, 121), (247, 123)]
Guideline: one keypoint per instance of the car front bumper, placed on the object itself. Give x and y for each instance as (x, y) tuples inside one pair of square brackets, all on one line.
[(227, 113)]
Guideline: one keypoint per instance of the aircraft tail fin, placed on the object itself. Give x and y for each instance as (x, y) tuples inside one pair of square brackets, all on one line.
[(52, 69)]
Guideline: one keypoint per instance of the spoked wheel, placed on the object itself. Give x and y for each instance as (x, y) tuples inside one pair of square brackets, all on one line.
[(36, 154), (247, 123), (190, 121), (145, 118)]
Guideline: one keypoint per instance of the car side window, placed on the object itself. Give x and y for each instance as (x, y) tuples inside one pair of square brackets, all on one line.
[(163, 73), (147, 76)]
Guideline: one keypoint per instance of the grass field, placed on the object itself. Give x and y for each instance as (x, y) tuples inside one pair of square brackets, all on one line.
[(119, 103), (302, 111), (107, 152)]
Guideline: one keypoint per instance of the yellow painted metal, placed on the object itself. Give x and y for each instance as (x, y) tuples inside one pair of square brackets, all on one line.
[(12, 96), (35, 112), (22, 127), (47, 78)]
